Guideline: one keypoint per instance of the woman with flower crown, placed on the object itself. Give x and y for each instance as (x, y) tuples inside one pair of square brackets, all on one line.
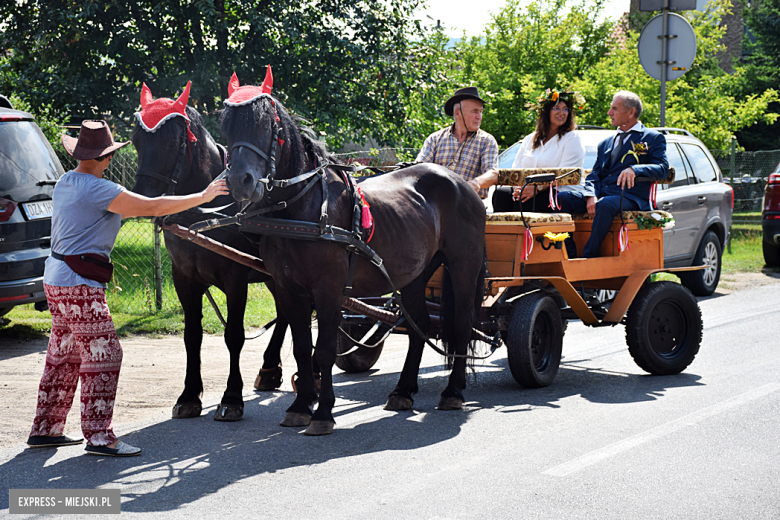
[(554, 144)]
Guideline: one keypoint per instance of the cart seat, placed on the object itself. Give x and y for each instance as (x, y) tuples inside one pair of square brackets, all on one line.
[(517, 177), (628, 216), (532, 219)]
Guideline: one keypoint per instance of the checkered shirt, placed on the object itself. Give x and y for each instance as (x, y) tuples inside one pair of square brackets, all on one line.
[(478, 154)]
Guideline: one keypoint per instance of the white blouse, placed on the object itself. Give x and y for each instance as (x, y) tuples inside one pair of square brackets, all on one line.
[(559, 152)]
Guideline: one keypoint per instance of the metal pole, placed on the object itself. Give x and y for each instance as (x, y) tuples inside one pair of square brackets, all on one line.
[(732, 165), (664, 60), (157, 267)]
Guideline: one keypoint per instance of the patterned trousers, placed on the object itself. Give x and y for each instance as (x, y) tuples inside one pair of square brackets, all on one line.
[(83, 344)]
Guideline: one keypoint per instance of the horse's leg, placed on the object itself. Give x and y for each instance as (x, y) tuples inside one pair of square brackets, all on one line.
[(463, 293), (270, 376), (328, 320), (298, 315), (231, 408), (191, 297), (413, 297)]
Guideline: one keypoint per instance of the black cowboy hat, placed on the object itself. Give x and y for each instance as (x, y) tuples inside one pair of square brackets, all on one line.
[(459, 95)]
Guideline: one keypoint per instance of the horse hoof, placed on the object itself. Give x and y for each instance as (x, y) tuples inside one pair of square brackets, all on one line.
[(268, 379), (186, 410), (229, 412), (450, 403), (397, 403), (320, 428), (295, 419)]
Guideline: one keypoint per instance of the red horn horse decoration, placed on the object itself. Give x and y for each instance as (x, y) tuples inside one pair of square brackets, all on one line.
[(244, 94), (239, 95), (154, 112)]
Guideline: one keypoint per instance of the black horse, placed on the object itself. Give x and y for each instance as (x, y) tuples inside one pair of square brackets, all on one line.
[(170, 162), (423, 215)]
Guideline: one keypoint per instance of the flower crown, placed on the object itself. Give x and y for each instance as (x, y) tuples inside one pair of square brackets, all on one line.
[(572, 97)]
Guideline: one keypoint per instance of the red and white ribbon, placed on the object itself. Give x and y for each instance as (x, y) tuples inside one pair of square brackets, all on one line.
[(623, 238), (554, 198), (653, 193), (528, 243)]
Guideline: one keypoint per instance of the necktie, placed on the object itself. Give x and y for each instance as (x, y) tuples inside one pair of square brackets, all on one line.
[(620, 140), (616, 147)]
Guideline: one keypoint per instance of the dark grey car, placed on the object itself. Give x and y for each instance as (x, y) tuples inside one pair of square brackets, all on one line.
[(699, 200), (29, 169)]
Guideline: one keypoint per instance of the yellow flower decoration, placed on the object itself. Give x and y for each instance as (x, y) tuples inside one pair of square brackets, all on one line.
[(637, 149), (553, 96), (556, 237)]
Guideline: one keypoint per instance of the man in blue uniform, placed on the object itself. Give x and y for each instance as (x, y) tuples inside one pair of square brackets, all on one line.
[(635, 151)]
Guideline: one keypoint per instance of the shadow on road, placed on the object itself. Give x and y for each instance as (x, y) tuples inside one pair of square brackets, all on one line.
[(12, 348), (185, 460)]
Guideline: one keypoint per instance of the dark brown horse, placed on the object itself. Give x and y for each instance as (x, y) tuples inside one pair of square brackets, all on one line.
[(169, 161), (424, 216)]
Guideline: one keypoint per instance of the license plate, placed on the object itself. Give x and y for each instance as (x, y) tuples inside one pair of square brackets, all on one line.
[(38, 210)]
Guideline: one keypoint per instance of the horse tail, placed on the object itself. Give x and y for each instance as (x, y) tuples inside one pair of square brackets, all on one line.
[(448, 310), (479, 296), (447, 314)]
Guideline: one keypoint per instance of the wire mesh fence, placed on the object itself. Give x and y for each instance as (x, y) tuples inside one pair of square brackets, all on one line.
[(748, 177)]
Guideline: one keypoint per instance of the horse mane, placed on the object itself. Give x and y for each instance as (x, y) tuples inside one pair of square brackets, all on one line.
[(315, 149)]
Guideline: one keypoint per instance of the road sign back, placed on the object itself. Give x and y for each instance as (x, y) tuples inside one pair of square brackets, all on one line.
[(682, 46)]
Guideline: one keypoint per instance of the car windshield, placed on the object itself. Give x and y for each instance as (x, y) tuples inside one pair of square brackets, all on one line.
[(507, 157), (26, 158)]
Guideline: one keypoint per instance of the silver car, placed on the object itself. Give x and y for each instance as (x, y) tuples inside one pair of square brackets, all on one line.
[(699, 200)]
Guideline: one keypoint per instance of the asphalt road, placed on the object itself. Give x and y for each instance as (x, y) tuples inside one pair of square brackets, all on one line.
[(603, 441)]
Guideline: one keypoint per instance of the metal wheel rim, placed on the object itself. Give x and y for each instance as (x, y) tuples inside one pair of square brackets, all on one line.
[(711, 261), (667, 329), (541, 343)]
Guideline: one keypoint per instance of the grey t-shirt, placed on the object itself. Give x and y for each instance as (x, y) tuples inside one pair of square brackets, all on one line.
[(81, 223)]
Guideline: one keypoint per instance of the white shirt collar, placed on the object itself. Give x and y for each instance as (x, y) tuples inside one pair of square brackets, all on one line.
[(636, 128)]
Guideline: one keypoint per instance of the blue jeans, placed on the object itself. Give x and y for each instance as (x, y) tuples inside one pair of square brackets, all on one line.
[(607, 209)]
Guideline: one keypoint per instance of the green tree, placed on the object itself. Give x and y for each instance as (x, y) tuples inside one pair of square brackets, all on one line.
[(706, 101), (48, 119), (433, 63), (342, 65), (763, 68), (526, 49)]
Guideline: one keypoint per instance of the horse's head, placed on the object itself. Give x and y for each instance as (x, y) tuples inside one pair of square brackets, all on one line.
[(161, 137), (255, 133)]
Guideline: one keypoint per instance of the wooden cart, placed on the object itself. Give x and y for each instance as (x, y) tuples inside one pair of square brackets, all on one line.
[(534, 288)]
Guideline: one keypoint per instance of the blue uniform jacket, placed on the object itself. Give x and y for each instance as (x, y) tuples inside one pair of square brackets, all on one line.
[(602, 181)]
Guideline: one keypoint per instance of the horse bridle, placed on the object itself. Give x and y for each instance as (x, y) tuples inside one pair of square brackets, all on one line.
[(172, 181), (270, 158)]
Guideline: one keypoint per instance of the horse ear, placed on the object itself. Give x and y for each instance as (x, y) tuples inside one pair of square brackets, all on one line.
[(233, 84), (146, 96), (268, 82), (184, 98)]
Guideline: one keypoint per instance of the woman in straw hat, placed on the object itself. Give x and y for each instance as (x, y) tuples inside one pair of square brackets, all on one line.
[(554, 144), (88, 212)]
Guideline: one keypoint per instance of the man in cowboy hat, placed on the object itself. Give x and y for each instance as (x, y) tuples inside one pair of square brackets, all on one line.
[(462, 147)]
